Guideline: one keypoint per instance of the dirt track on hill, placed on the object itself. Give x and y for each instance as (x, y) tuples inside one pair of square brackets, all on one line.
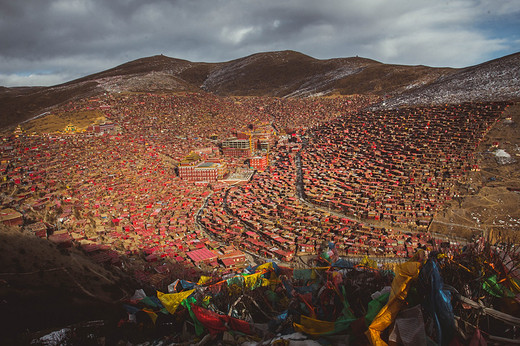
[(488, 204)]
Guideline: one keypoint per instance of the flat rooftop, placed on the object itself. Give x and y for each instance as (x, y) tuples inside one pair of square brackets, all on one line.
[(207, 164)]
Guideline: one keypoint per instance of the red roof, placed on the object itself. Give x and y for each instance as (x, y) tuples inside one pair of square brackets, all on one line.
[(233, 254), (200, 255), (230, 262)]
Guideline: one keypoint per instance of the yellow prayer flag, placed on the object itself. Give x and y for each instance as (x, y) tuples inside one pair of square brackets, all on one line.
[(514, 285), (172, 300), (255, 280), (204, 280), (313, 326), (367, 262), (266, 266), (404, 274)]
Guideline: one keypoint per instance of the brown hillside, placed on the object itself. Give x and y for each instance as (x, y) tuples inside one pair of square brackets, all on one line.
[(389, 79), (489, 197), (273, 74), (42, 286), (155, 63), (281, 74), (495, 80), (20, 104)]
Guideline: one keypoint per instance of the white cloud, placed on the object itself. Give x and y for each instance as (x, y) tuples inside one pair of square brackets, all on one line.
[(78, 37), (71, 7), (15, 80), (237, 35), (459, 48), (57, 70)]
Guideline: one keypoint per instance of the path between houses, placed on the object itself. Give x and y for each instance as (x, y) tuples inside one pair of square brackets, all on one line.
[(251, 258)]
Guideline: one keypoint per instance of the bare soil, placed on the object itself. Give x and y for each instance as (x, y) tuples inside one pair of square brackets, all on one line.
[(488, 203)]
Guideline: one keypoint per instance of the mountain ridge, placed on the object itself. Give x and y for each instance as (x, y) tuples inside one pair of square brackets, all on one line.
[(497, 79), (276, 74)]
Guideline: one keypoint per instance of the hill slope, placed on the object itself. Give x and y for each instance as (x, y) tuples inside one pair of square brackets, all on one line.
[(42, 286), (280, 74), (496, 80), (20, 104)]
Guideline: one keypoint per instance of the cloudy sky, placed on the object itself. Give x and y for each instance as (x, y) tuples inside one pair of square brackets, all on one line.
[(46, 42)]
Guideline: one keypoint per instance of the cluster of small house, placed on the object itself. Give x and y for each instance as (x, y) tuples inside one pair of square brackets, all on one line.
[(131, 192), (104, 190), (265, 217), (401, 166), (117, 194), (398, 166)]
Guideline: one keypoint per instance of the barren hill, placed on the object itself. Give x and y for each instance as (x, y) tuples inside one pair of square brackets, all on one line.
[(280, 74), (496, 80)]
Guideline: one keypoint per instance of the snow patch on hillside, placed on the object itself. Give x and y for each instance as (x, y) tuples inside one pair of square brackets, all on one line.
[(323, 84), (498, 80), (227, 72), (150, 82)]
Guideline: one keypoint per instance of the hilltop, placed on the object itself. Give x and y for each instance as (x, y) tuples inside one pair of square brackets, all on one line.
[(278, 74)]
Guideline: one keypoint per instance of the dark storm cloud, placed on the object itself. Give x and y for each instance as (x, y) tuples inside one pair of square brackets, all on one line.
[(51, 41)]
